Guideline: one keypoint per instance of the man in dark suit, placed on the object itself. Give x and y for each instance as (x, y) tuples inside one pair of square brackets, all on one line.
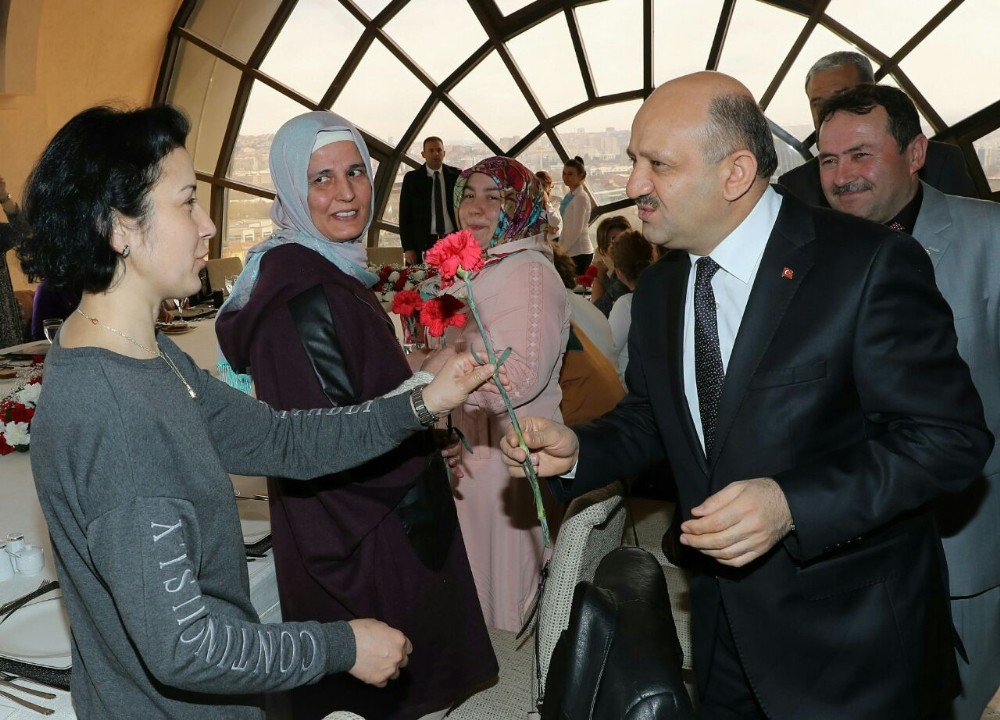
[(426, 205), (871, 150), (944, 168), (798, 369)]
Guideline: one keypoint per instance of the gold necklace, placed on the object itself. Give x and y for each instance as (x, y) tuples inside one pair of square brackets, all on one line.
[(157, 352)]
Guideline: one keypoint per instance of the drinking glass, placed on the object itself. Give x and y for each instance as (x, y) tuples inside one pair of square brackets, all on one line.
[(229, 282), (50, 326)]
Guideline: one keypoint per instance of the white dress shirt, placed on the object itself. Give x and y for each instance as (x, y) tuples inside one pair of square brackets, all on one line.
[(448, 227), (620, 320), (738, 257)]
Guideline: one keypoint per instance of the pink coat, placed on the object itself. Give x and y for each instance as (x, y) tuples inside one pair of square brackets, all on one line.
[(524, 306)]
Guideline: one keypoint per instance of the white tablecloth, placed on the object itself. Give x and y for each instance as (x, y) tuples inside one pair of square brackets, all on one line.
[(20, 512)]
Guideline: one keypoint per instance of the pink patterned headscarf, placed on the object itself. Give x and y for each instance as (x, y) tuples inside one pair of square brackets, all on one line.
[(523, 211)]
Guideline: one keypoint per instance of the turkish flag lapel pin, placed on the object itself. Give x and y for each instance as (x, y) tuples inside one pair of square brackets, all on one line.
[(787, 273)]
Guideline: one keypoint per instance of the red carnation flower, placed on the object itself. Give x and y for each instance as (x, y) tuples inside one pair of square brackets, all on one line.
[(17, 412), (5, 449), (585, 280), (592, 271), (439, 313), (458, 250), (407, 303)]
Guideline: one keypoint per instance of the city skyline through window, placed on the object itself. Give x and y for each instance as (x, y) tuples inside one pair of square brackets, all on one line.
[(429, 67)]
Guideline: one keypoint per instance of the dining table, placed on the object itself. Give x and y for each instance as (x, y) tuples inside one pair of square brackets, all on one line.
[(21, 514)]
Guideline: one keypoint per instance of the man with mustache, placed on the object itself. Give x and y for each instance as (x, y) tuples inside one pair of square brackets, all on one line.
[(797, 367), (871, 151), (944, 168)]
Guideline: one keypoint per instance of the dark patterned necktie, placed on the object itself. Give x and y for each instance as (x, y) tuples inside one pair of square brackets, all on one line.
[(438, 205), (897, 226), (708, 372)]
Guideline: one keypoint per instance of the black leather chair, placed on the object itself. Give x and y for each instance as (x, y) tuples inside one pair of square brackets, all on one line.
[(619, 659)]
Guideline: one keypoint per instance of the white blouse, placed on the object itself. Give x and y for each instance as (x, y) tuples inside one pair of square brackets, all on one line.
[(575, 235)]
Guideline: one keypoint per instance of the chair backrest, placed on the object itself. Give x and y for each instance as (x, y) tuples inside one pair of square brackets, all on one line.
[(590, 530), (218, 268), (385, 255), (619, 659)]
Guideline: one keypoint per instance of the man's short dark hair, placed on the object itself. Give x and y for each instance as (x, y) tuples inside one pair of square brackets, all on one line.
[(841, 59), (430, 139), (736, 122), (904, 122)]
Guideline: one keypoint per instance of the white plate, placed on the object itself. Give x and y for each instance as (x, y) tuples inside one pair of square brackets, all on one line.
[(255, 519), (38, 634)]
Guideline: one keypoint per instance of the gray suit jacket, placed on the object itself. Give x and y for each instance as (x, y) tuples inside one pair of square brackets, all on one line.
[(962, 237)]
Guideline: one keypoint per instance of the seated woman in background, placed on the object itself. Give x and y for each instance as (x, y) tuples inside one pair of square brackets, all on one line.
[(588, 379), (607, 287), (132, 445), (575, 212), (381, 540), (552, 214), (631, 253), (523, 305), (11, 331)]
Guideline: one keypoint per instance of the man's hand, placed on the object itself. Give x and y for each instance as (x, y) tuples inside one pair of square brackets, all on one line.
[(410, 257), (739, 523), (381, 652), (554, 447)]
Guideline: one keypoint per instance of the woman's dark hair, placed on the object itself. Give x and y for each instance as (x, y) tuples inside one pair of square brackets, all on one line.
[(604, 228), (101, 164), (631, 254), (564, 265), (577, 164)]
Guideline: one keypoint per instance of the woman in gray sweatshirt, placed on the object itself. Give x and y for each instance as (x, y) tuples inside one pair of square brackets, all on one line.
[(132, 445)]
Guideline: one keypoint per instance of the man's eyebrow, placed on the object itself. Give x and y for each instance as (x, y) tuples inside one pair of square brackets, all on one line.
[(855, 148)]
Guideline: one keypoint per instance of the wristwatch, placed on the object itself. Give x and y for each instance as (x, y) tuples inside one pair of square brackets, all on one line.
[(425, 416)]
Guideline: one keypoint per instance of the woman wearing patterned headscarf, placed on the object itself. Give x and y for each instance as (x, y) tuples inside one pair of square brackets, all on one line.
[(523, 306), (381, 540)]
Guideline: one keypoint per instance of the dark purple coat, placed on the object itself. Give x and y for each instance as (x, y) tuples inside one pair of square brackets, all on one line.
[(340, 549)]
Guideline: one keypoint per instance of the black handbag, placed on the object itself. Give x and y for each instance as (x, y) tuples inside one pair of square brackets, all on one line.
[(620, 658)]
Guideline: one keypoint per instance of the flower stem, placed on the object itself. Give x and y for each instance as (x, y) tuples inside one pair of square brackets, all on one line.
[(529, 469)]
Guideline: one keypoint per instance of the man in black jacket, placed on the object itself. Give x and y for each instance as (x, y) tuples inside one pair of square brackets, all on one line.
[(426, 206), (943, 169), (798, 368)]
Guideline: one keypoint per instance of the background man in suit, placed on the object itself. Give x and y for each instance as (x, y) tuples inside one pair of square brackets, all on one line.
[(945, 167), (798, 369), (870, 151), (426, 205)]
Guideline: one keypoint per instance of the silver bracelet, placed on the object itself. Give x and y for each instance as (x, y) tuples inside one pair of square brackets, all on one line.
[(425, 416)]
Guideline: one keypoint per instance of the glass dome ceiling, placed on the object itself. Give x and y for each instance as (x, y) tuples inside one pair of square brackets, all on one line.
[(542, 81)]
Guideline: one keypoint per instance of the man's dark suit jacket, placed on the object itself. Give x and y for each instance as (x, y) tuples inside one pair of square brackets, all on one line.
[(415, 206), (944, 169), (845, 386)]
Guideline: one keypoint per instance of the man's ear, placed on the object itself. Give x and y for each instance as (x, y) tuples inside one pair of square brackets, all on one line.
[(739, 172), (916, 153)]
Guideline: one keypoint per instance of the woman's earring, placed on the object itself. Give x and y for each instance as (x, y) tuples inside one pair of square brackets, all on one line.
[(125, 251)]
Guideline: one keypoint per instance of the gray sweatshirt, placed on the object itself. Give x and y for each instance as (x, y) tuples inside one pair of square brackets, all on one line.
[(132, 475)]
